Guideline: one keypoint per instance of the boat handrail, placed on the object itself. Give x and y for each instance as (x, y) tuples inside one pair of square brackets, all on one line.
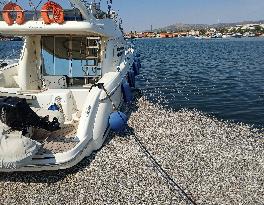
[(73, 14), (69, 15)]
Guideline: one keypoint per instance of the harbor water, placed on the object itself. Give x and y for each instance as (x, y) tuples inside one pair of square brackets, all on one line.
[(212, 161), (221, 77)]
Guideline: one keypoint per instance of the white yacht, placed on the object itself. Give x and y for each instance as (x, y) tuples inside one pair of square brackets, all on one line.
[(74, 71), (217, 36), (237, 35)]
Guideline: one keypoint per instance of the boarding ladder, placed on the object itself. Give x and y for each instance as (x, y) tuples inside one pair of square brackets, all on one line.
[(92, 68)]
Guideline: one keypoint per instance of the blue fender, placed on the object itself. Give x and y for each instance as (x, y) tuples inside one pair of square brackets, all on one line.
[(139, 64), (127, 93), (131, 79), (136, 68), (118, 121)]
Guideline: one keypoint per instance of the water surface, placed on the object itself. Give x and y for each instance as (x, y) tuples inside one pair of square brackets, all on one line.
[(224, 78), (219, 77)]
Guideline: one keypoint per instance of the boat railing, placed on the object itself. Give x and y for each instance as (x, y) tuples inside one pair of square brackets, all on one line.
[(69, 15)]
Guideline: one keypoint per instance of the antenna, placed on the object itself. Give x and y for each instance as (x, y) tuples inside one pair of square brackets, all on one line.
[(109, 7)]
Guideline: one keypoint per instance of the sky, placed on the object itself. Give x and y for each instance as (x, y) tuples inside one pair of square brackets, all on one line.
[(139, 15)]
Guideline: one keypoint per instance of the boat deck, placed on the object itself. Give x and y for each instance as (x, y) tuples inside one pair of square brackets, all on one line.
[(58, 141), (55, 142)]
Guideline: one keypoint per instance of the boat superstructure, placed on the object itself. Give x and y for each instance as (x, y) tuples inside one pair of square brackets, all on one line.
[(55, 102)]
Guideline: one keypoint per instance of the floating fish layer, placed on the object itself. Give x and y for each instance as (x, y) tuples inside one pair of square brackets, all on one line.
[(213, 161)]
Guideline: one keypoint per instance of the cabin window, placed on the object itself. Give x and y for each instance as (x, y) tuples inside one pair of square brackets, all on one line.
[(72, 56)]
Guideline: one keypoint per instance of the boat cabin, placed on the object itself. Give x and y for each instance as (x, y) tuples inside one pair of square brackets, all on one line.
[(73, 60)]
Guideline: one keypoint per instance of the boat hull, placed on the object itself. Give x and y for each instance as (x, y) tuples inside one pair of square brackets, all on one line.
[(93, 128)]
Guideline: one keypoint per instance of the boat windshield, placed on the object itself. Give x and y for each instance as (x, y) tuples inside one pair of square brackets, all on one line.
[(72, 56)]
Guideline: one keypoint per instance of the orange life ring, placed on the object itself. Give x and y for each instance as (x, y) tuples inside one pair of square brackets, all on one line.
[(58, 14), (20, 16)]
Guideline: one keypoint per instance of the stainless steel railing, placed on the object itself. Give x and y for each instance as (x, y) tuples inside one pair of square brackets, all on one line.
[(69, 15)]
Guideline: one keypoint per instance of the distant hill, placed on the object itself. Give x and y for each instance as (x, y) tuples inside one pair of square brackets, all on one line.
[(186, 27)]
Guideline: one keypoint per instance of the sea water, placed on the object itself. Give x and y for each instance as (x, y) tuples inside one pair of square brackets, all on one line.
[(221, 77)]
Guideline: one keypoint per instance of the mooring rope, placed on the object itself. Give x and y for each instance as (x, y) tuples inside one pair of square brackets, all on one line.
[(158, 167), (164, 174)]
